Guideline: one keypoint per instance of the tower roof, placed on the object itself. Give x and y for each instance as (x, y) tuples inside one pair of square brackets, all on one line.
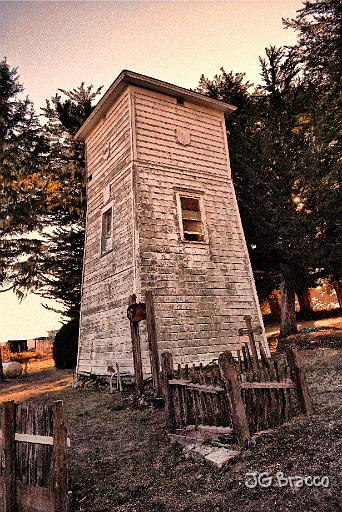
[(131, 78)]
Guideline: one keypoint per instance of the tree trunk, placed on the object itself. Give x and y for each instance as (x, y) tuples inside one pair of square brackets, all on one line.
[(2, 377), (273, 301), (304, 299), (338, 289), (288, 323)]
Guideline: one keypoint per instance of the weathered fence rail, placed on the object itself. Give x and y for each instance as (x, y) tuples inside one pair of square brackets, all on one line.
[(33, 458), (193, 395), (247, 393)]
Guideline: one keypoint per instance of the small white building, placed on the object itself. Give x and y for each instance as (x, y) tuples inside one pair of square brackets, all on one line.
[(162, 216)]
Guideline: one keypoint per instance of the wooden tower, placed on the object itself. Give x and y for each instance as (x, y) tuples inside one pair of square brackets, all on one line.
[(162, 217)]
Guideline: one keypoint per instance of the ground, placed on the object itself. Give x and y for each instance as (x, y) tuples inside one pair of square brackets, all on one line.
[(121, 461)]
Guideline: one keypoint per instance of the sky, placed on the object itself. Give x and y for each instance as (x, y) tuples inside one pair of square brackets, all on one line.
[(60, 44)]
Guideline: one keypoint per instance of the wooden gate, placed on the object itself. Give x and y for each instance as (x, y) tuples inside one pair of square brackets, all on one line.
[(33, 465), (248, 394)]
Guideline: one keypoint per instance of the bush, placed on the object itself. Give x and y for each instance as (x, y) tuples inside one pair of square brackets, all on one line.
[(24, 357), (64, 350)]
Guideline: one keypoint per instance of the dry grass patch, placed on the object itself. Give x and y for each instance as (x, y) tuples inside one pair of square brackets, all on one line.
[(120, 459)]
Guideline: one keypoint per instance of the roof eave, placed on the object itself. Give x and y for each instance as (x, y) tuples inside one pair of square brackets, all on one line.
[(126, 78)]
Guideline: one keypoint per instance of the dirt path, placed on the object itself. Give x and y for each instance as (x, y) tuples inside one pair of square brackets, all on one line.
[(324, 323), (42, 378)]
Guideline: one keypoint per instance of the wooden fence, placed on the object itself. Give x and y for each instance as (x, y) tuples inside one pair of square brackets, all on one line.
[(33, 459), (248, 393)]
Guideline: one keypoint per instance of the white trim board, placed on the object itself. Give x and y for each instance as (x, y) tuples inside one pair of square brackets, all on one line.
[(34, 439)]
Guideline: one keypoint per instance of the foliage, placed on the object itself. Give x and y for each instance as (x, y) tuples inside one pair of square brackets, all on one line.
[(23, 177), (65, 345), (266, 138), (285, 142), (60, 262), (319, 40), (25, 357), (318, 25), (43, 194)]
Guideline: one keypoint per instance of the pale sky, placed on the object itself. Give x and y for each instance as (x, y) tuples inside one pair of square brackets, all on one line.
[(60, 44)]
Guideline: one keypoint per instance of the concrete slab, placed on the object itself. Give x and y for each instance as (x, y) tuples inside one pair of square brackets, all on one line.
[(221, 456)]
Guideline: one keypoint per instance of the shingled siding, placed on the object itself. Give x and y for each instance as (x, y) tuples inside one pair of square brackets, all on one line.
[(202, 290), (108, 279)]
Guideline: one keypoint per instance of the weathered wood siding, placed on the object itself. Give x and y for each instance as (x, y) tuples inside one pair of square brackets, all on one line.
[(202, 290), (108, 280)]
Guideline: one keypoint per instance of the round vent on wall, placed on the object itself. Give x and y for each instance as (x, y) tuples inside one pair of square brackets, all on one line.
[(183, 136)]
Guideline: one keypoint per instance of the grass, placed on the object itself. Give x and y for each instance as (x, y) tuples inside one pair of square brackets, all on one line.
[(120, 459)]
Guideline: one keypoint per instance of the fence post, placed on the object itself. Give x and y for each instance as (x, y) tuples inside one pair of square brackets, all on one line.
[(230, 377), (136, 348), (2, 377), (167, 374), (8, 444), (298, 375), (60, 448), (152, 342)]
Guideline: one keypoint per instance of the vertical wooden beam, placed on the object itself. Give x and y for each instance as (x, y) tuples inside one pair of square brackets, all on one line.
[(298, 375), (230, 377), (8, 444), (167, 374), (136, 348), (2, 377), (152, 342), (248, 321), (60, 458)]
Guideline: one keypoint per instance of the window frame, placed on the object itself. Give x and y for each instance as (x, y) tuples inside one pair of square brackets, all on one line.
[(199, 197), (104, 210)]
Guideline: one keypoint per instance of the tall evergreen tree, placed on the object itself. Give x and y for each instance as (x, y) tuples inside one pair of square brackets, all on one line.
[(319, 30), (23, 176), (43, 192), (60, 261), (266, 143)]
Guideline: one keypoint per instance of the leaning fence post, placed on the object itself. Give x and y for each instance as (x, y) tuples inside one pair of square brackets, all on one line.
[(152, 341), (232, 385), (60, 470), (298, 375), (8, 446), (136, 349), (167, 374)]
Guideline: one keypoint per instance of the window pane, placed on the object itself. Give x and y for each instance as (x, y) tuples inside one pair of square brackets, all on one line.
[(193, 229), (106, 235), (190, 215), (192, 226), (190, 203), (192, 237)]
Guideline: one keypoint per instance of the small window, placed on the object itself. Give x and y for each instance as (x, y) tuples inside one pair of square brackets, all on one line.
[(106, 233), (192, 219)]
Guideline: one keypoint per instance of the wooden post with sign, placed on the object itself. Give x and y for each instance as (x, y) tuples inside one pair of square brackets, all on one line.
[(136, 348)]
